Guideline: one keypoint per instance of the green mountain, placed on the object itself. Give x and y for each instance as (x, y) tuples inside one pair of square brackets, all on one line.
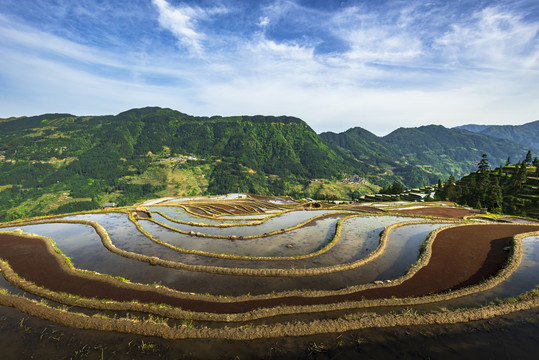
[(133, 155), (512, 189), (419, 156), (384, 164), (527, 134), (57, 163)]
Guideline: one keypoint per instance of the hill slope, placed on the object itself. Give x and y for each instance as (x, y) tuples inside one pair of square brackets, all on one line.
[(130, 156), (56, 163), (384, 163), (527, 134), (419, 156)]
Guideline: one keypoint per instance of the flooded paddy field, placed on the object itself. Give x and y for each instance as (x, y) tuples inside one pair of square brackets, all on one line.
[(294, 267)]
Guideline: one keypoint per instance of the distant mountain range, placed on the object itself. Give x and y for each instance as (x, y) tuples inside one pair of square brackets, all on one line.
[(424, 154), (136, 154), (527, 134)]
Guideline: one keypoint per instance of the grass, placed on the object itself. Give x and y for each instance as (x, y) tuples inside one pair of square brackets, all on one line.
[(188, 323), (508, 300), (156, 320), (409, 312), (22, 325), (147, 347)]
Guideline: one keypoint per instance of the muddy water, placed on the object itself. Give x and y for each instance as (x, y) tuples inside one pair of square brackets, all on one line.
[(81, 243), (245, 217), (360, 236), (280, 222), (300, 241), (514, 336), (88, 253), (4, 284), (283, 221), (84, 247), (525, 278)]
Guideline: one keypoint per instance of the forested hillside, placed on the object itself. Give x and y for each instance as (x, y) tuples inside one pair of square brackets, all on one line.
[(509, 189), (419, 156), (385, 163), (131, 156), (527, 134), (56, 163)]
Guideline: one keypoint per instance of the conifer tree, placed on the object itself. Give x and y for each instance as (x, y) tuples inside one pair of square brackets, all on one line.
[(484, 181), (520, 176), (528, 159), (478, 205), (483, 165), (495, 197)]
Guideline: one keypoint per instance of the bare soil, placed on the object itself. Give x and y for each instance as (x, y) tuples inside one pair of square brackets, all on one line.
[(516, 220), (196, 210), (143, 215), (453, 213)]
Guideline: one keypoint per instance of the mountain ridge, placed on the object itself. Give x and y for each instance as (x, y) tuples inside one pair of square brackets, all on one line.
[(527, 134), (153, 151)]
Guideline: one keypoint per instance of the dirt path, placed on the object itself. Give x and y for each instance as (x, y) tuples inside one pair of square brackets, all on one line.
[(461, 256)]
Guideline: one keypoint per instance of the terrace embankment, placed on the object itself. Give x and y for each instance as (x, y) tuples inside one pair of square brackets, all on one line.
[(445, 212), (461, 256), (369, 209)]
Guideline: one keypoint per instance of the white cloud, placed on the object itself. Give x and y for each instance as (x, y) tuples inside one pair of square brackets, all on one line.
[(180, 21), (28, 42), (492, 39), (263, 21), (269, 49), (384, 79), (381, 46), (374, 39)]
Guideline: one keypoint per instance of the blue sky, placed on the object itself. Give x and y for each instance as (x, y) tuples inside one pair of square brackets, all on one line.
[(335, 64)]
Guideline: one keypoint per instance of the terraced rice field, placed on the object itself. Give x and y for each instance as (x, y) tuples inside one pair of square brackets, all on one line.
[(251, 268)]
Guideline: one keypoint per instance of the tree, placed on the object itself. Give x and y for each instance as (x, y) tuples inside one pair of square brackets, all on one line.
[(483, 165), (484, 180), (508, 162), (528, 159), (495, 197), (478, 205), (520, 176), (396, 188), (536, 163), (450, 189)]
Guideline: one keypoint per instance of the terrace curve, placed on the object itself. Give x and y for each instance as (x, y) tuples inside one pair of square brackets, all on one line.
[(441, 273)]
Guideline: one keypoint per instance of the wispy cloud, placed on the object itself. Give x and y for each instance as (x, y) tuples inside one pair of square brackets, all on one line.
[(263, 21), (371, 65), (182, 21), (492, 38)]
